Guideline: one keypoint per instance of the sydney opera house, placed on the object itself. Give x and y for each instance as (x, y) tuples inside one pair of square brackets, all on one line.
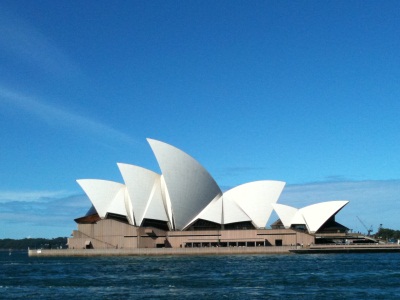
[(184, 207)]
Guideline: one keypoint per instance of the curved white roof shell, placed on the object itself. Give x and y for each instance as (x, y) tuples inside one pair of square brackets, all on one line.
[(106, 196), (233, 213), (144, 192), (190, 187), (313, 216), (286, 214), (167, 201), (156, 208), (317, 214), (213, 212), (255, 199), (247, 202)]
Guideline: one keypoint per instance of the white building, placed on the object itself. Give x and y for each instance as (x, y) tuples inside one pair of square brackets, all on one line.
[(185, 197)]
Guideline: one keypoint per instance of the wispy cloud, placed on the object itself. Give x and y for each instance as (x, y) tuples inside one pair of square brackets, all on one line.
[(29, 196), (374, 201), (58, 116), (24, 41), (50, 208), (41, 217)]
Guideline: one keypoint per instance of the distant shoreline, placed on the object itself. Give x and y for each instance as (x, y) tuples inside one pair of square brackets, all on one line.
[(32, 243)]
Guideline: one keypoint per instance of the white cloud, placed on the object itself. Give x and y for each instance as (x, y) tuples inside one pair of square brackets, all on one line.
[(29, 196), (42, 217), (30, 45), (55, 115)]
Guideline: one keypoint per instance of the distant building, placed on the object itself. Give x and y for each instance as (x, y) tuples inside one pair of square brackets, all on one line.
[(184, 207)]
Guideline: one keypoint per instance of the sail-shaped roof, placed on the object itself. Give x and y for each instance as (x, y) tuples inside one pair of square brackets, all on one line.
[(106, 196), (313, 216), (256, 199), (144, 191), (190, 187)]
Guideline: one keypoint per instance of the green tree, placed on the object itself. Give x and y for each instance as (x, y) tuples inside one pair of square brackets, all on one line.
[(386, 234), (35, 243)]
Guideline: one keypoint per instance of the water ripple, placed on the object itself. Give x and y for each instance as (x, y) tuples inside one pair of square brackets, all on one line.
[(335, 276)]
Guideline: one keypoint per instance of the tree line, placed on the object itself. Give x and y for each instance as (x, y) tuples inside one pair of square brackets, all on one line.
[(34, 243), (387, 234)]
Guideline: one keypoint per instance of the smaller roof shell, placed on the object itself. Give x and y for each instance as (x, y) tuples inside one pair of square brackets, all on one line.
[(286, 214), (256, 199), (317, 214), (313, 216), (144, 191), (106, 196)]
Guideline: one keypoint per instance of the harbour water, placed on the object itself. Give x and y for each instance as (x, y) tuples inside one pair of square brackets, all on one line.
[(313, 276)]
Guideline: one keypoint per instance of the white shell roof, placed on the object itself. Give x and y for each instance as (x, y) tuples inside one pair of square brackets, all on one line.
[(190, 186), (118, 205), (256, 199), (233, 213), (144, 191), (313, 216), (166, 201), (222, 211), (212, 212), (155, 208), (286, 214), (128, 207), (247, 202), (298, 218), (317, 214), (106, 196)]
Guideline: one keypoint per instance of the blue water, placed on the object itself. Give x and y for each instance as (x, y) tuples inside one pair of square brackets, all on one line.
[(332, 276)]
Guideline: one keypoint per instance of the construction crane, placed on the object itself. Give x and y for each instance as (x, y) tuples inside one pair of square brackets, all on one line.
[(365, 226)]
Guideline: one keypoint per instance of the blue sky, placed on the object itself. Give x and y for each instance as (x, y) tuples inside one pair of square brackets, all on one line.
[(306, 92)]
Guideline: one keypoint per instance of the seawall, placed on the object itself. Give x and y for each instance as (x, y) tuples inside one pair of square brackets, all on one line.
[(160, 251), (327, 249), (314, 249)]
